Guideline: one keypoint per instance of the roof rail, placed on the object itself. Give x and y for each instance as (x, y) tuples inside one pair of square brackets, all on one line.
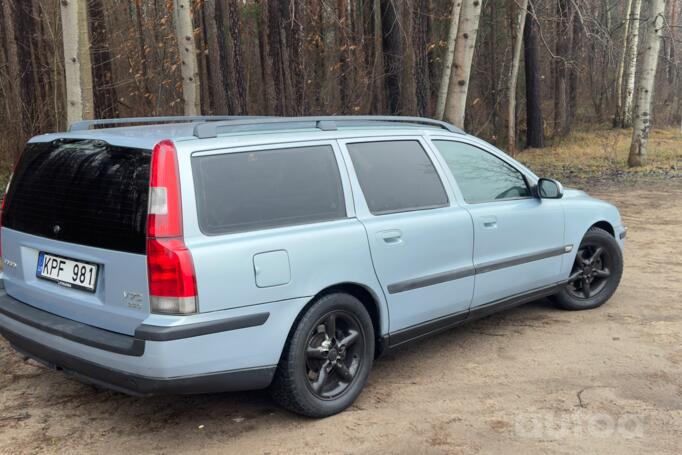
[(325, 123), (87, 124)]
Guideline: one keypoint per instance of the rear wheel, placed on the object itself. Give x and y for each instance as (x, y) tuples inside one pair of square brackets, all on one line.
[(596, 272), (327, 359)]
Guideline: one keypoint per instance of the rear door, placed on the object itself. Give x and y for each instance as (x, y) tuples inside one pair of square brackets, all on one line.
[(79, 206), (421, 241), (519, 238)]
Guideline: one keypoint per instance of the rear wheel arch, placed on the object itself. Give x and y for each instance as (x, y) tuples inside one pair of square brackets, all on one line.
[(365, 295)]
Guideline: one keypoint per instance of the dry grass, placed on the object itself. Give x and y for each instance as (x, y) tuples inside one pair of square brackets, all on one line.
[(603, 154)]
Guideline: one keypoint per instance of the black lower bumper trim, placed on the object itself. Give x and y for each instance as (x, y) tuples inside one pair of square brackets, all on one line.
[(71, 330), (132, 384)]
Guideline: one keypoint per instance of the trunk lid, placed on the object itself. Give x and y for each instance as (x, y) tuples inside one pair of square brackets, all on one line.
[(87, 201)]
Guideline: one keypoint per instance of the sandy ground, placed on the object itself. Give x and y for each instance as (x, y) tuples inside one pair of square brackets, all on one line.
[(532, 380)]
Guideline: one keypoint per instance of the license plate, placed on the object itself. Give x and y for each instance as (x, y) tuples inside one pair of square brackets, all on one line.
[(67, 272)]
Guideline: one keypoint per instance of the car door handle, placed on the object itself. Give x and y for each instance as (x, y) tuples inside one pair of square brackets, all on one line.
[(489, 222), (391, 237)]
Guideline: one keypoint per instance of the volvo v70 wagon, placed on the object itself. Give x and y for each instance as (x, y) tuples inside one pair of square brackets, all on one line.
[(191, 255)]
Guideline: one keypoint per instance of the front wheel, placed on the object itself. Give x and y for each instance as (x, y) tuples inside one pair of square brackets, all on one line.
[(327, 358), (596, 272)]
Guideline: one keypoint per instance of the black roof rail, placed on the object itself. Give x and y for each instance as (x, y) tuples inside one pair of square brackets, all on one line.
[(87, 124), (208, 130)]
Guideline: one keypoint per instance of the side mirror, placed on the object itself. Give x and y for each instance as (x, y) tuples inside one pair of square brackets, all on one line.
[(550, 189)]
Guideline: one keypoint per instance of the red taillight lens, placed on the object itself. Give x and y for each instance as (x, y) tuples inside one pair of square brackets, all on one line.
[(172, 282), (165, 207)]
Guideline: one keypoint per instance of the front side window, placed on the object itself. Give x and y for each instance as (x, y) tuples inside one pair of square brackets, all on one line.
[(481, 176), (267, 188), (397, 176)]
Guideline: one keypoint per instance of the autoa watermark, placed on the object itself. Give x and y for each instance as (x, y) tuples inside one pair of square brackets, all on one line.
[(595, 424)]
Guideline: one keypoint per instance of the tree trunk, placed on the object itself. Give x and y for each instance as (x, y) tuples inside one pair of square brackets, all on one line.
[(184, 31), (645, 87), (330, 86), (378, 94), (14, 101), (535, 130), (235, 26), (420, 39), (455, 107), (218, 95), (105, 100), (631, 63), (79, 97), (618, 116), (390, 29), (449, 59), (517, 34), (561, 69)]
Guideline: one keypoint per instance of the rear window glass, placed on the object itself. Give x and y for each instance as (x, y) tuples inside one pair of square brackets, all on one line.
[(84, 192), (397, 176), (267, 188)]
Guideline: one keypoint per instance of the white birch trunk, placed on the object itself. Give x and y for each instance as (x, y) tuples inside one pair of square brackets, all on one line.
[(519, 25), (77, 63), (455, 106), (184, 31), (645, 87), (449, 57), (631, 67), (618, 118)]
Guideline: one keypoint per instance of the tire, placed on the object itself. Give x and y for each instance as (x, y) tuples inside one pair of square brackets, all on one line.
[(576, 295), (299, 384)]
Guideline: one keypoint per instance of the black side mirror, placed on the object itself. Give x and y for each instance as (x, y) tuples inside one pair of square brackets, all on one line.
[(550, 189)]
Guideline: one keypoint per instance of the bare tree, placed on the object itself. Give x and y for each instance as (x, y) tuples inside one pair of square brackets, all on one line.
[(77, 66), (631, 62), (618, 117), (535, 131), (184, 31), (645, 87), (449, 59), (455, 106), (517, 34)]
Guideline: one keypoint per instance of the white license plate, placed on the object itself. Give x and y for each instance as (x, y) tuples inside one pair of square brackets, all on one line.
[(67, 272)]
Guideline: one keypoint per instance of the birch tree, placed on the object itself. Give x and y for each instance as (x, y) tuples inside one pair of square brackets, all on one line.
[(618, 117), (517, 34), (645, 87), (455, 106), (449, 58), (631, 62), (184, 31), (77, 63)]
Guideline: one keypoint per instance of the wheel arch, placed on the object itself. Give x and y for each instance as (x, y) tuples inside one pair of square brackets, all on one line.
[(605, 225), (369, 299)]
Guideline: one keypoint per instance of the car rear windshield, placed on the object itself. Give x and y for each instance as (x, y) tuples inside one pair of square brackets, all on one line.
[(84, 192), (267, 188)]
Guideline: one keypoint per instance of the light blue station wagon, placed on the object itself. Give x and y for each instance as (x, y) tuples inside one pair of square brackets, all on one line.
[(192, 255)]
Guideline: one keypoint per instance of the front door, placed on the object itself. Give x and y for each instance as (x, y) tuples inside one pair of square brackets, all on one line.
[(519, 239)]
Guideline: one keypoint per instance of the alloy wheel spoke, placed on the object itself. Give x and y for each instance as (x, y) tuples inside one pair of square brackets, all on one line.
[(575, 276), (597, 253), (350, 339), (602, 273), (587, 291), (316, 353), (322, 377), (330, 326), (343, 372)]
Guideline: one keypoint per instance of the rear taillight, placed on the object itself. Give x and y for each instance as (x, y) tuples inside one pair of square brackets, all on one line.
[(2, 205), (172, 281)]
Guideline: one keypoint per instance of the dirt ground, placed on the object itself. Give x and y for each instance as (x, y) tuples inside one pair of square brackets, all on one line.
[(532, 380)]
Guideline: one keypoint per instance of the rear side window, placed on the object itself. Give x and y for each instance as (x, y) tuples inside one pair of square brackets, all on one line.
[(84, 192), (267, 188), (397, 176)]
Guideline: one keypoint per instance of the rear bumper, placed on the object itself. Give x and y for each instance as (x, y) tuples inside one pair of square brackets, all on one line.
[(133, 384), (237, 350)]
